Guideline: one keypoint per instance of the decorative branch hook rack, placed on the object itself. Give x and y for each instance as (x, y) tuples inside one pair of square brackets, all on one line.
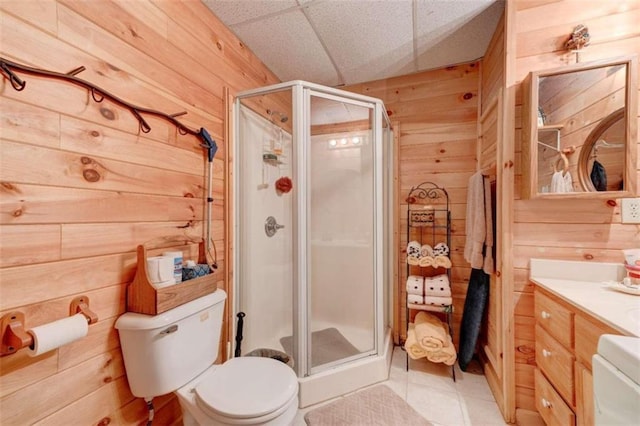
[(8, 68)]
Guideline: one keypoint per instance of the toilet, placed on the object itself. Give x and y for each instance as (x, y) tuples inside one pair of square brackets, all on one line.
[(175, 351)]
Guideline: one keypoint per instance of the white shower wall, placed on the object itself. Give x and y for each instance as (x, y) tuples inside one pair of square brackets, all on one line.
[(342, 238), (267, 297), (341, 244)]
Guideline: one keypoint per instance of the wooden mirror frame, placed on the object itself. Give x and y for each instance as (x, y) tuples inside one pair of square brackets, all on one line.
[(590, 143), (530, 131)]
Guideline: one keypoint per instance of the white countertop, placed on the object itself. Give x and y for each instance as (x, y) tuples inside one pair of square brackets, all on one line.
[(581, 284)]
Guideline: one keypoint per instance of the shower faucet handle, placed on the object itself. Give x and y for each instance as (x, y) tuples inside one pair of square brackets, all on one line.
[(271, 226)]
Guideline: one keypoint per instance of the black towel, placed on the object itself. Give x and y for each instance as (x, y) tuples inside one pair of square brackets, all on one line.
[(599, 176), (473, 315)]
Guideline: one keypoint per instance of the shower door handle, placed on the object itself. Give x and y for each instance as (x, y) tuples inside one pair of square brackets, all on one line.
[(271, 226)]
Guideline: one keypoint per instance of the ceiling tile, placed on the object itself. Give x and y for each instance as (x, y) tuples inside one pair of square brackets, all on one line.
[(336, 42), (461, 36), (235, 11), (367, 39), (289, 46)]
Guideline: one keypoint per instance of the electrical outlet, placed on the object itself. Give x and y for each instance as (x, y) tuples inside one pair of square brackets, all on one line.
[(631, 210)]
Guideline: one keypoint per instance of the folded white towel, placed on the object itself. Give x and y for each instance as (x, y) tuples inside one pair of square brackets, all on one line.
[(437, 286), (415, 285), (416, 299), (437, 301)]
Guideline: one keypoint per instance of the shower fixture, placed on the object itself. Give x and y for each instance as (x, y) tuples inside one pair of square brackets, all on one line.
[(283, 116)]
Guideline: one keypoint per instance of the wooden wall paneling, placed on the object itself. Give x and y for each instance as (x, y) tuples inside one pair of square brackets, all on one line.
[(436, 115), (133, 412), (67, 53), (504, 219), (29, 164), (94, 407), (141, 43), (61, 389), (550, 60), (596, 234), (488, 140), (202, 23), (24, 123), (493, 67), (23, 204), (29, 244), (21, 370), (78, 177)]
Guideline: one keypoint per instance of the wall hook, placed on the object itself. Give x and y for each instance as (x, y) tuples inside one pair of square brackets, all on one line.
[(15, 81), (7, 69)]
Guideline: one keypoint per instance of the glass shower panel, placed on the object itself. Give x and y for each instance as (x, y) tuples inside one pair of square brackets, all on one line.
[(341, 274), (265, 272)]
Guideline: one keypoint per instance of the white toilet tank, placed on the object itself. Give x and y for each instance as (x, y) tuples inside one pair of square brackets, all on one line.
[(166, 351)]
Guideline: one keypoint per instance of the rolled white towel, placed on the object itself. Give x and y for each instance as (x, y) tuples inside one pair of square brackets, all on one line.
[(431, 333), (426, 261), (426, 250), (416, 299), (437, 286), (413, 249), (446, 354), (415, 285), (442, 262), (414, 350)]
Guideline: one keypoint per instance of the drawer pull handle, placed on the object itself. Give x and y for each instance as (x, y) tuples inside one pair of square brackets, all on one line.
[(546, 353), (545, 403), (545, 315)]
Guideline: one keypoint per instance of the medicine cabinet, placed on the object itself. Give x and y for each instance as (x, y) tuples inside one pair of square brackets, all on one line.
[(579, 130)]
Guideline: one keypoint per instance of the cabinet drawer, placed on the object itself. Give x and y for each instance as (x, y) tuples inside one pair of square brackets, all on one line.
[(555, 318), (556, 362), (587, 334), (550, 405)]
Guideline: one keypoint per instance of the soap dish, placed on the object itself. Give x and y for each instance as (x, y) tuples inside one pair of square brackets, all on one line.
[(618, 286)]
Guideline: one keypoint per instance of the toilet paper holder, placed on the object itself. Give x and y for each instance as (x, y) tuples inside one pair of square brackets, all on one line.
[(14, 335)]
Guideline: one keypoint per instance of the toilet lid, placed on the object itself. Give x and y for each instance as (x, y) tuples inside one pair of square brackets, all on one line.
[(248, 387)]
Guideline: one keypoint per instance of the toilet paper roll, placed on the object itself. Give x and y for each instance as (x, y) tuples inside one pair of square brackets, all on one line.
[(55, 334)]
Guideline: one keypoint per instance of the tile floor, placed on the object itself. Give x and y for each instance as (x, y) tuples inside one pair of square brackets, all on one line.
[(429, 389)]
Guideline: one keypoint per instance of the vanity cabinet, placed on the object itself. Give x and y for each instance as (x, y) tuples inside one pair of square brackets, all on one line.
[(566, 339)]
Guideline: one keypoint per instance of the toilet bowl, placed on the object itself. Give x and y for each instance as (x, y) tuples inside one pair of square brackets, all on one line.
[(242, 391)]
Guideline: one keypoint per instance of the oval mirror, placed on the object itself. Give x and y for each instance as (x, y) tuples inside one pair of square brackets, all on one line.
[(601, 163)]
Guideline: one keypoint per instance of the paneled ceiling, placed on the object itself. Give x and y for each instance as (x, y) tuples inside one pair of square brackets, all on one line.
[(343, 42)]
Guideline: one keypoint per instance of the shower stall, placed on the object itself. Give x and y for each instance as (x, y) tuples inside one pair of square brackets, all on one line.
[(313, 231)]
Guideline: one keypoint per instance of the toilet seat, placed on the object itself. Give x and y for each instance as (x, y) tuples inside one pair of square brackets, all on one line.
[(247, 388)]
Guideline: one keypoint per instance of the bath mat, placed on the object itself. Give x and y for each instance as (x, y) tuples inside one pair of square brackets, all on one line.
[(327, 345), (379, 406)]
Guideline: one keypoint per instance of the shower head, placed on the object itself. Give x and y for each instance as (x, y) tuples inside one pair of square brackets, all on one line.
[(283, 117)]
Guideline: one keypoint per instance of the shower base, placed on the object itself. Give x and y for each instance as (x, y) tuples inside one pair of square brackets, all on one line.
[(347, 377), (327, 345)]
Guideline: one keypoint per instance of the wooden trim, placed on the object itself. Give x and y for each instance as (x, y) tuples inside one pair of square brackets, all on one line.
[(397, 311), (505, 202), (227, 331)]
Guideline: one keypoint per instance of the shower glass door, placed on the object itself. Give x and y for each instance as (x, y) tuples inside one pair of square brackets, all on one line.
[(341, 229)]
